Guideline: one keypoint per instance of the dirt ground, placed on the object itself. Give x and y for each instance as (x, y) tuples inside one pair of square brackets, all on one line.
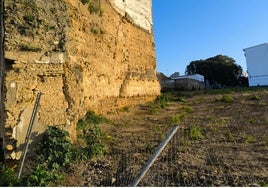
[(229, 148)]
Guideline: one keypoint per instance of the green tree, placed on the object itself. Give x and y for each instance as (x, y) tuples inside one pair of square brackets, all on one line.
[(217, 70)]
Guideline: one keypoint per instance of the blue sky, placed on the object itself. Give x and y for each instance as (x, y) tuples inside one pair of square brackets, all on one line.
[(188, 30)]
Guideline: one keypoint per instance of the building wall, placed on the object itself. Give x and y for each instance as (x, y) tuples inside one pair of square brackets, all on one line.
[(79, 60), (188, 84), (257, 64)]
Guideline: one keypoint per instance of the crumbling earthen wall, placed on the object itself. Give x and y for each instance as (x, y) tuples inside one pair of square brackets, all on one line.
[(79, 59)]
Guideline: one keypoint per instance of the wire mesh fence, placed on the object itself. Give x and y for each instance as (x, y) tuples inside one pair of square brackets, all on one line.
[(214, 161)]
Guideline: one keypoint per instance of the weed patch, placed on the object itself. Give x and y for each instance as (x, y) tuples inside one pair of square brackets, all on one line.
[(195, 133), (7, 176), (176, 119), (229, 136), (91, 137), (255, 97), (188, 109), (161, 102), (226, 99)]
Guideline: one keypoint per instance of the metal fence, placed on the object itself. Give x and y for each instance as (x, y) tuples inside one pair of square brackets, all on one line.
[(211, 161)]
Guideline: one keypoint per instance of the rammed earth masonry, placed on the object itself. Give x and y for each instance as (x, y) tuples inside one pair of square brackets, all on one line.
[(79, 59)]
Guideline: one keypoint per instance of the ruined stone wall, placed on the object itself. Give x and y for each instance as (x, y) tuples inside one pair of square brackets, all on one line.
[(79, 58)]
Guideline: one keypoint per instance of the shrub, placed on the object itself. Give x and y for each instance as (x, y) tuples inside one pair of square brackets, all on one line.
[(7, 176), (195, 133), (41, 176), (91, 118), (56, 148), (91, 137)]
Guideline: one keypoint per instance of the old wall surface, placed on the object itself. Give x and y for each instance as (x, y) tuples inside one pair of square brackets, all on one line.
[(80, 56)]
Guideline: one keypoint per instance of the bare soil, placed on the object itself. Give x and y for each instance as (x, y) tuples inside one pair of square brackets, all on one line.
[(231, 151)]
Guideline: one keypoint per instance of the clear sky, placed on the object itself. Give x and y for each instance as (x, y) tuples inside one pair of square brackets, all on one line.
[(188, 30)]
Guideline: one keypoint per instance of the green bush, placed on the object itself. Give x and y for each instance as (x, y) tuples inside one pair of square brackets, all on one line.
[(161, 101), (7, 176), (56, 148), (41, 176), (91, 136), (91, 118)]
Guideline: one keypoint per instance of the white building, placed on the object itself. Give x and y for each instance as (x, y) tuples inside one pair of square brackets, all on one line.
[(257, 64), (197, 77)]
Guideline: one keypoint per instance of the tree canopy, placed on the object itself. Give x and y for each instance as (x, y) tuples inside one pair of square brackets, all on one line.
[(217, 70)]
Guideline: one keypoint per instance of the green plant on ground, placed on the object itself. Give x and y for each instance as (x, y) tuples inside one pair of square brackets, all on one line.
[(154, 110), (254, 97), (91, 137), (56, 148), (187, 109), (94, 142), (229, 136), (252, 120), (150, 148), (249, 139), (264, 184), (28, 18), (265, 141), (7, 176), (195, 133), (226, 99), (161, 102), (55, 152), (41, 176), (176, 119), (180, 99), (91, 118)]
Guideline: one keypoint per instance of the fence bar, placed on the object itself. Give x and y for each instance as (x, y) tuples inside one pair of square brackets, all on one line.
[(29, 131), (156, 153)]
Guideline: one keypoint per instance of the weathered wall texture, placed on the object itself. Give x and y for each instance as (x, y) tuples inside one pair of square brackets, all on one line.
[(79, 58)]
